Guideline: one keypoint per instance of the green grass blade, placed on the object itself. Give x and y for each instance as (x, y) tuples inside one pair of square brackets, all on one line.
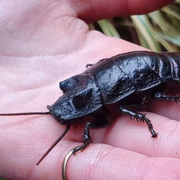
[(108, 28), (171, 12), (146, 30)]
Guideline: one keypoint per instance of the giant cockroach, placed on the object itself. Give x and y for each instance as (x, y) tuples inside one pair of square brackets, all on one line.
[(112, 81)]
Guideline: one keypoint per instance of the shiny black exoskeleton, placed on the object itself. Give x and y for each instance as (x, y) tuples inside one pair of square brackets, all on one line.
[(122, 80), (111, 81)]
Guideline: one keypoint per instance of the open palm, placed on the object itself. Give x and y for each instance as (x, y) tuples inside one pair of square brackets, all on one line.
[(44, 42)]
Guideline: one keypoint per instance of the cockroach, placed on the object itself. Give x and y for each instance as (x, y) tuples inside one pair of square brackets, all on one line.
[(142, 74)]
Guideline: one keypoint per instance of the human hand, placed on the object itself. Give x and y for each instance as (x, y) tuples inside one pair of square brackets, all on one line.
[(44, 42)]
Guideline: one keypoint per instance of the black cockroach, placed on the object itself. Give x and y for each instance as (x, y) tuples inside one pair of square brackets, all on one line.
[(113, 81)]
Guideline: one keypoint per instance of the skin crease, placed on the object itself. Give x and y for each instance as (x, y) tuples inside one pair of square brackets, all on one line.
[(44, 42)]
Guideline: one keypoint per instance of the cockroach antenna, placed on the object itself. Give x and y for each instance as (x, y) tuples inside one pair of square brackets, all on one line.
[(54, 144), (24, 113), (40, 113)]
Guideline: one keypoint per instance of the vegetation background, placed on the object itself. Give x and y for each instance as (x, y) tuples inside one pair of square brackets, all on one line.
[(158, 31)]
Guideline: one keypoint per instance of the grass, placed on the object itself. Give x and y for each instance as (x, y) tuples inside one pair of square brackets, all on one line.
[(158, 31)]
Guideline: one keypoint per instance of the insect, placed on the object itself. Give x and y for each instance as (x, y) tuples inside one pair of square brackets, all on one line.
[(141, 74)]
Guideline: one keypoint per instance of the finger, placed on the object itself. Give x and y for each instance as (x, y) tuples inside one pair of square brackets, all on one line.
[(28, 154), (132, 135), (105, 162), (166, 108), (95, 10), (135, 136)]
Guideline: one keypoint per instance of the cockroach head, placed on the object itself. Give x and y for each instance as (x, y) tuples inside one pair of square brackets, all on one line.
[(80, 97)]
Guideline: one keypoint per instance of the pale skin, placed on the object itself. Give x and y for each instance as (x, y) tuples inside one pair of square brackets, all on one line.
[(44, 42)]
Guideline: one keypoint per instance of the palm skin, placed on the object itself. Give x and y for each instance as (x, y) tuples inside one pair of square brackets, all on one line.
[(44, 42)]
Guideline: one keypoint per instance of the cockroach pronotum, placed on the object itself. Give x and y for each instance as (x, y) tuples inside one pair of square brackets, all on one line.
[(114, 80)]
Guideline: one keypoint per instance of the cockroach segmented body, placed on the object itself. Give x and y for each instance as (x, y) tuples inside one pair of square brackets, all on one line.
[(113, 81)]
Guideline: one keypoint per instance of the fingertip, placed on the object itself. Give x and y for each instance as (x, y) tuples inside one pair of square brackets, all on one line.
[(94, 10)]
